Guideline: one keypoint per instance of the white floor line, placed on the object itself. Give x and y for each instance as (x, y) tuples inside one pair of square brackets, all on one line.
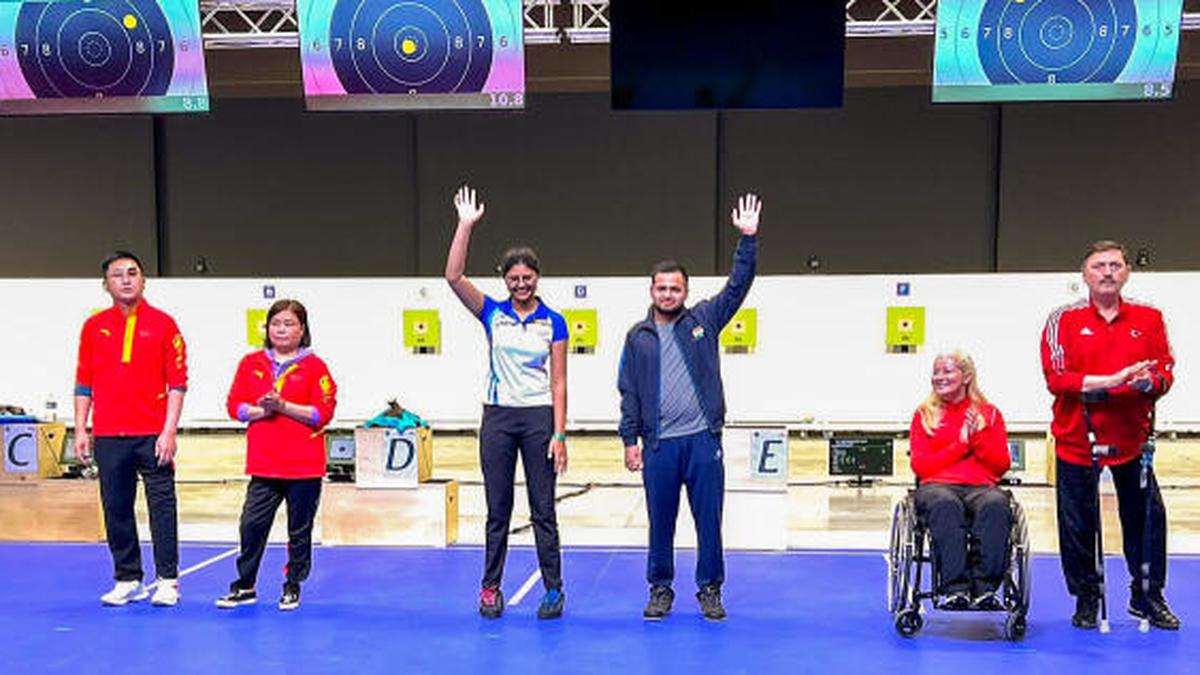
[(200, 565), (525, 588)]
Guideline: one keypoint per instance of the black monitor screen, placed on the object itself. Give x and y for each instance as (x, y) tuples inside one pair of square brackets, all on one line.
[(673, 54), (860, 456)]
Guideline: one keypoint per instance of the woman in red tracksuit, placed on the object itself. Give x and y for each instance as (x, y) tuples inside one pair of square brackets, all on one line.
[(286, 394), (959, 450)]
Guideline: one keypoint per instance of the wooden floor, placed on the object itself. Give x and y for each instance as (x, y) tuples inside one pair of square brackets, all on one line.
[(602, 503)]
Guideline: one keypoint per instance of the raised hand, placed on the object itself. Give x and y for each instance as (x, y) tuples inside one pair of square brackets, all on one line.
[(469, 209), (745, 216)]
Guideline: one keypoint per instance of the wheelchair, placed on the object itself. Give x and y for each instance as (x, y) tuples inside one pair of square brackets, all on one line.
[(911, 548)]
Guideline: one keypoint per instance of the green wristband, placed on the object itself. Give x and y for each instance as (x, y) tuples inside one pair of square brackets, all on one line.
[(559, 437)]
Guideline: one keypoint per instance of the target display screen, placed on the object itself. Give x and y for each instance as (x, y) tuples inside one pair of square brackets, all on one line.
[(405, 54), (101, 56), (1053, 50)]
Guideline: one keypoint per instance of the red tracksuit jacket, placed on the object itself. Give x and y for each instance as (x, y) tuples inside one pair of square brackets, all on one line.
[(126, 365), (279, 446), (942, 457), (1077, 341)]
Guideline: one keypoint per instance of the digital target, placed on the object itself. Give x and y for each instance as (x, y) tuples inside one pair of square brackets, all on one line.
[(101, 56), (395, 54), (998, 50)]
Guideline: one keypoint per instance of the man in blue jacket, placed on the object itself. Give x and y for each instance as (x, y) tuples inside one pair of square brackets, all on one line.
[(671, 397)]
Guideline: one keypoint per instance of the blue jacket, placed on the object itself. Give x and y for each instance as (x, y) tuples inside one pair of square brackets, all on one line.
[(697, 331)]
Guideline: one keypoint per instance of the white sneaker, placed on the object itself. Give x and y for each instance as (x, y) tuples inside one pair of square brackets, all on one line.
[(124, 592), (166, 594)]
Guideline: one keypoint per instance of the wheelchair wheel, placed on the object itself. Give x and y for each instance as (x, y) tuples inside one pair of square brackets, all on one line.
[(1017, 586), (896, 559), (908, 622), (1014, 626)]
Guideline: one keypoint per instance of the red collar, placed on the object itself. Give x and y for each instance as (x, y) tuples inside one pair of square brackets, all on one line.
[(1121, 310)]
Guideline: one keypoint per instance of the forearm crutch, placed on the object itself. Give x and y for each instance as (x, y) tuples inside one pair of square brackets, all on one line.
[(1146, 481), (1098, 451)]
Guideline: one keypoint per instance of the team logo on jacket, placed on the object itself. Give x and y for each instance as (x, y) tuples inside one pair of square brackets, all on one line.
[(698, 333), (106, 332), (326, 385), (1086, 331), (1135, 333)]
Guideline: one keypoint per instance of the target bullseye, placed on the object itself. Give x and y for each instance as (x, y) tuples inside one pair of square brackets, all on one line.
[(410, 43), (95, 49), (1057, 32)]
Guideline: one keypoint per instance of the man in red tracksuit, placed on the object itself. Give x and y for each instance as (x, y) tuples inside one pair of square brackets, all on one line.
[(1113, 352), (132, 375)]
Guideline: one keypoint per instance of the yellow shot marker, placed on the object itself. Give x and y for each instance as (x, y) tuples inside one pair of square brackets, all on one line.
[(130, 21), (409, 46)]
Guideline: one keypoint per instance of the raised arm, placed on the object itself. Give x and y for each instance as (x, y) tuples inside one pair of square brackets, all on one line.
[(469, 213), (745, 218)]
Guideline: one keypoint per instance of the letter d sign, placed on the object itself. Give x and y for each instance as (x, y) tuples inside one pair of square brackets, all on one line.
[(400, 457)]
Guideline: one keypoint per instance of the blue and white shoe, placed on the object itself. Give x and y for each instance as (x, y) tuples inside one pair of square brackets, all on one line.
[(552, 604)]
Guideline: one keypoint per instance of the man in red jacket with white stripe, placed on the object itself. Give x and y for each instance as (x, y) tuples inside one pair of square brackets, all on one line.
[(1115, 351)]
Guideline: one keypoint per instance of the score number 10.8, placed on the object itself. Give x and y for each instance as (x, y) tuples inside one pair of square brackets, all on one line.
[(507, 99)]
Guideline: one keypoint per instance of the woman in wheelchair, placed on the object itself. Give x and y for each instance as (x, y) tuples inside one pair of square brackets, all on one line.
[(959, 451)]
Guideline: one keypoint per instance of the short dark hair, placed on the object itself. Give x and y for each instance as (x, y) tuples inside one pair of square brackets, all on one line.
[(1106, 245), (667, 267), (518, 255), (120, 255), (294, 307)]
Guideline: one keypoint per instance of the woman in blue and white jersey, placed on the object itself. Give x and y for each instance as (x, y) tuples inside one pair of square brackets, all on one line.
[(524, 407)]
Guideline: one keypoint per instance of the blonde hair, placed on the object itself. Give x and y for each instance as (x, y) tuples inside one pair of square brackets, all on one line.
[(932, 408)]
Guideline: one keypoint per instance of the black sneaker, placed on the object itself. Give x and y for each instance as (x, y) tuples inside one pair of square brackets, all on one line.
[(710, 603), (1086, 609), (237, 597), (291, 597), (551, 606), (491, 602), (1154, 608), (659, 606)]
